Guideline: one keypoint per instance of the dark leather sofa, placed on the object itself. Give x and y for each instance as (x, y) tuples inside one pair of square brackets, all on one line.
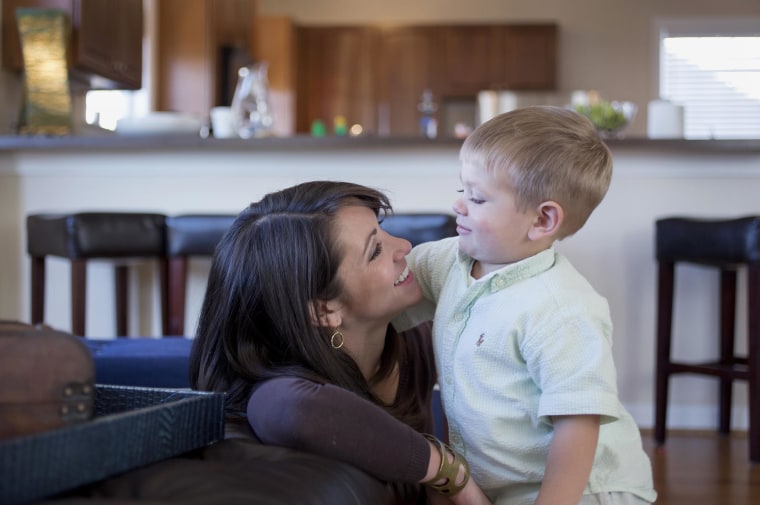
[(239, 471)]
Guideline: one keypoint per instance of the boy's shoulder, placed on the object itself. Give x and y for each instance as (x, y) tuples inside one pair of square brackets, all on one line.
[(570, 286), (438, 248)]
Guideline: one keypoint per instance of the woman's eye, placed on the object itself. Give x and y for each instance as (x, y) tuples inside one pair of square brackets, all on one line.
[(377, 251), (476, 201)]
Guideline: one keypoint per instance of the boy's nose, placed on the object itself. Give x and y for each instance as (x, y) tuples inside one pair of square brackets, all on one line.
[(458, 207)]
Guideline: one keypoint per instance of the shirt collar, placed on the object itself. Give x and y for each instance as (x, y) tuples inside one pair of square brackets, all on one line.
[(512, 273)]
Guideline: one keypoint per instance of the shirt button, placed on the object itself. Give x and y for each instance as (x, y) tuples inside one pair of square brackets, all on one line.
[(449, 380)]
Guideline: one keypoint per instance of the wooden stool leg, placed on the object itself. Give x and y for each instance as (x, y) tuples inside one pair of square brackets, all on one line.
[(753, 359), (177, 292), (163, 289), (727, 332), (121, 284), (665, 282), (38, 290), (78, 295)]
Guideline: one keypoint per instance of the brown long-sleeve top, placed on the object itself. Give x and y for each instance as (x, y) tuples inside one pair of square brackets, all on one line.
[(331, 421)]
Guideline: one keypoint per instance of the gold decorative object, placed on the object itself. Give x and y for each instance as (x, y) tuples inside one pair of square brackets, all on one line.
[(47, 100)]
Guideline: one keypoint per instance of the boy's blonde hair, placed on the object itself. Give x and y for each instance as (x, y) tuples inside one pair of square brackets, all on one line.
[(544, 153)]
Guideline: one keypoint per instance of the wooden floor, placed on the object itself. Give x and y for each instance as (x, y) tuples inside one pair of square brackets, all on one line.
[(703, 468)]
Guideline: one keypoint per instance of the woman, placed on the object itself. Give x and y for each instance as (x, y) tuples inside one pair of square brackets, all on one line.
[(295, 328)]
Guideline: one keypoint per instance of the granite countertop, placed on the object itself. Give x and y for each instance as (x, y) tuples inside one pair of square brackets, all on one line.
[(38, 143)]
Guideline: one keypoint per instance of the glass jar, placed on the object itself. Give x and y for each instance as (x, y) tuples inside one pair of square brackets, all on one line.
[(251, 112)]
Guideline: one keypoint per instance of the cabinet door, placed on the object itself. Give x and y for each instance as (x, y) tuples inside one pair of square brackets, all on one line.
[(336, 76), (194, 52), (530, 57), (472, 59), (108, 41), (410, 62), (12, 58)]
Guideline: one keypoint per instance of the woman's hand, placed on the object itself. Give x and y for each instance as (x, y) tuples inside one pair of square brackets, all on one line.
[(470, 494)]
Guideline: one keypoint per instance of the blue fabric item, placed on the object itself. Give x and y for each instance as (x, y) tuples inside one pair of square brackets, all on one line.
[(141, 361), (440, 429), (164, 363)]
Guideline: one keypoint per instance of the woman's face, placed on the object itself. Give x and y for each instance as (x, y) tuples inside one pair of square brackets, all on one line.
[(376, 279)]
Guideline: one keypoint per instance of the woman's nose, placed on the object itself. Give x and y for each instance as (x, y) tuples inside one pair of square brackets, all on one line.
[(402, 247)]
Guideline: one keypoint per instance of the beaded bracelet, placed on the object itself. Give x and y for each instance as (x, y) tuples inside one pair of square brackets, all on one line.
[(445, 481)]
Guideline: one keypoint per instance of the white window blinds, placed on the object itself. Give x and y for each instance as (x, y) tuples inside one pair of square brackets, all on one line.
[(716, 78)]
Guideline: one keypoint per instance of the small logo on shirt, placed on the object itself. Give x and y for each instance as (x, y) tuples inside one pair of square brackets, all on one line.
[(481, 339)]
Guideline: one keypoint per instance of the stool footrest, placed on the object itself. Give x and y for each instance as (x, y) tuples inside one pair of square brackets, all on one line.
[(738, 370)]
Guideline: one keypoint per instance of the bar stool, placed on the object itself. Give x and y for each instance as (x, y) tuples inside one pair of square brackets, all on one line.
[(727, 244), (188, 235), (120, 237), (420, 227)]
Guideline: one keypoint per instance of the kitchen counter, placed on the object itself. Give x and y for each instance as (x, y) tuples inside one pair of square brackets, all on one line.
[(181, 174), (109, 141)]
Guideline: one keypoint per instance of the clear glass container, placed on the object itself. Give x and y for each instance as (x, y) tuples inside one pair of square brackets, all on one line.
[(251, 111)]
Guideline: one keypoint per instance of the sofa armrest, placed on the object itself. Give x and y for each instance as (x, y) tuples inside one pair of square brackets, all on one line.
[(242, 471)]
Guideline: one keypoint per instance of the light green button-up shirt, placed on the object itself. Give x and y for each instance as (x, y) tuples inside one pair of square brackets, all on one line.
[(527, 342)]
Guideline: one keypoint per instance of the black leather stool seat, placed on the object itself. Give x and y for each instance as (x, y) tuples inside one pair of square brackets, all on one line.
[(82, 236), (709, 242), (420, 227), (728, 245), (188, 235)]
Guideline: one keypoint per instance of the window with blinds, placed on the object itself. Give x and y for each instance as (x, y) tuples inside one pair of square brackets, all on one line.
[(714, 72)]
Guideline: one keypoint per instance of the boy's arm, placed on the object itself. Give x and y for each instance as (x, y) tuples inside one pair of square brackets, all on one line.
[(571, 456), (420, 264)]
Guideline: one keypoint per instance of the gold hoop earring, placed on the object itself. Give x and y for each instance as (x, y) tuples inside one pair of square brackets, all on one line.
[(336, 339)]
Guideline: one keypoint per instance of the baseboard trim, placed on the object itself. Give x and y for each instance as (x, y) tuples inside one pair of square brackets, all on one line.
[(689, 417)]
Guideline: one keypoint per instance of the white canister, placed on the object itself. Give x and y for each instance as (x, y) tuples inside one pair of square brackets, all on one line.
[(488, 105), (664, 120), (508, 100)]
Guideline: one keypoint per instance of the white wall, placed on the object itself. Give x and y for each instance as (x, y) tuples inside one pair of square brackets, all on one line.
[(606, 45)]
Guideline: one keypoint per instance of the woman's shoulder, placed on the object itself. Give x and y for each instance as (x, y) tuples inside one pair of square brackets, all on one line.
[(282, 390), (283, 407)]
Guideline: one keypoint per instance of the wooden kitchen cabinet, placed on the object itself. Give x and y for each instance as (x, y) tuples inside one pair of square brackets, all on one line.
[(410, 62), (201, 43), (105, 50), (472, 59), (514, 57), (375, 76), (337, 76), (529, 57)]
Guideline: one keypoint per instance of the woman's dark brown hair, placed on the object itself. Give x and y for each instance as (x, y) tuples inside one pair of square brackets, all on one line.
[(279, 255)]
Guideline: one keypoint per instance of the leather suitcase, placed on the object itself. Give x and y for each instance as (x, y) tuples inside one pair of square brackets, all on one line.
[(47, 379)]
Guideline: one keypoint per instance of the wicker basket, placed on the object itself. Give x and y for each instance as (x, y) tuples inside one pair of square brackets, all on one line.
[(132, 427)]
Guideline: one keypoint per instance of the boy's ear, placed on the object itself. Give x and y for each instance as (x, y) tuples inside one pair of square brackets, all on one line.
[(548, 221), (324, 313)]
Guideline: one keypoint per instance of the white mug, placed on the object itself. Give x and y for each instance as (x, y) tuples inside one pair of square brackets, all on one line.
[(221, 123)]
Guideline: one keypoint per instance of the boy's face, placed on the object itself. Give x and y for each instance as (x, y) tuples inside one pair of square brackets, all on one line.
[(491, 228)]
